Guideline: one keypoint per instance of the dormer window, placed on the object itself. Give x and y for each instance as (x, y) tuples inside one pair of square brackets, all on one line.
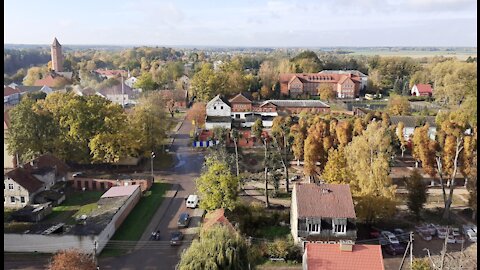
[(339, 226), (313, 226)]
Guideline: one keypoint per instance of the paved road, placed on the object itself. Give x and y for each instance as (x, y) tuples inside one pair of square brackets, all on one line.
[(159, 254)]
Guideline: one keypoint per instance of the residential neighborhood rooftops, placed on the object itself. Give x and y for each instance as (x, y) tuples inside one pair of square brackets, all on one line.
[(217, 98), (324, 200), (331, 256), (424, 88), (120, 191), (25, 179), (241, 98), (7, 91)]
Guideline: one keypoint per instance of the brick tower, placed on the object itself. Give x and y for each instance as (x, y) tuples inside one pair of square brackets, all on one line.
[(57, 56)]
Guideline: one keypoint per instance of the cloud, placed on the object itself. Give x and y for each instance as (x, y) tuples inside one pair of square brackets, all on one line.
[(435, 5)]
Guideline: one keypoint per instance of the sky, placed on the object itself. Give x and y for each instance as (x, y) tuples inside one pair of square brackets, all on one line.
[(272, 23)]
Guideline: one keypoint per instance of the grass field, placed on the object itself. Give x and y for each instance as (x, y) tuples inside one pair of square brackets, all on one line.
[(138, 220), (272, 232), (76, 204)]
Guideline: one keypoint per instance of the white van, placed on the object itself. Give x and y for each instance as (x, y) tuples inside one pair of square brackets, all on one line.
[(192, 201)]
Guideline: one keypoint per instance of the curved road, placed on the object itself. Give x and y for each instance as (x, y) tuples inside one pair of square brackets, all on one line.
[(159, 254)]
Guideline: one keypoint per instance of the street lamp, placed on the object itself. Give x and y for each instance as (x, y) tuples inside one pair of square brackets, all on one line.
[(151, 165)]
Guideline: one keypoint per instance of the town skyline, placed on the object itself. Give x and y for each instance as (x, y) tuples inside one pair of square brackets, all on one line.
[(362, 23)]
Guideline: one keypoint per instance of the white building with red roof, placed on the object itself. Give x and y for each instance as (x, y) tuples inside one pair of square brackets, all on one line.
[(421, 89)]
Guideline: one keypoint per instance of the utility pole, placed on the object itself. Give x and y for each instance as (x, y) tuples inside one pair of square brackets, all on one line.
[(411, 250), (95, 253), (151, 164)]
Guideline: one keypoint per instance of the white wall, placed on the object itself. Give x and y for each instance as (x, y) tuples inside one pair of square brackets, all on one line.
[(216, 109), (212, 125), (294, 215), (17, 192)]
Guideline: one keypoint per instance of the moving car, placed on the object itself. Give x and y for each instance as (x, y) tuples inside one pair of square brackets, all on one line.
[(390, 237), (176, 238), (183, 220), (192, 201), (394, 249)]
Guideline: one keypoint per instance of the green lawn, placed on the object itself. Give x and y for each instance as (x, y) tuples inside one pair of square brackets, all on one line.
[(272, 232), (162, 161), (138, 220), (83, 201)]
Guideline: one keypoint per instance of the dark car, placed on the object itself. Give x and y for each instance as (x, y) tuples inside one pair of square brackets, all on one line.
[(176, 238), (402, 235), (395, 249), (183, 220)]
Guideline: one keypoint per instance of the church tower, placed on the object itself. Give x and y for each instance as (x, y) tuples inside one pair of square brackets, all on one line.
[(57, 56)]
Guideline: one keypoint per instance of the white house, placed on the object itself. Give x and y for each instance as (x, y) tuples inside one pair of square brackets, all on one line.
[(420, 89), (411, 122), (218, 113)]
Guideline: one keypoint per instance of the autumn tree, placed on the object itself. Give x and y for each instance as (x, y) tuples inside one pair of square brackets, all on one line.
[(146, 82), (268, 74), (343, 132), (398, 105), (257, 129), (368, 160), (401, 138), (72, 259), (299, 133), (326, 92), (336, 169), (197, 114), (217, 186), (281, 135), (472, 188), (266, 92), (316, 147), (358, 127), (417, 192), (206, 84)]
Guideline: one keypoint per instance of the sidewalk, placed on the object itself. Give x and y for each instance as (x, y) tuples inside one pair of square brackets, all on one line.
[(170, 194)]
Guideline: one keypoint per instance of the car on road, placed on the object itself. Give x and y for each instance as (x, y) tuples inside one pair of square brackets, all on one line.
[(395, 249), (402, 235), (192, 201), (425, 236), (176, 238), (390, 237), (183, 220)]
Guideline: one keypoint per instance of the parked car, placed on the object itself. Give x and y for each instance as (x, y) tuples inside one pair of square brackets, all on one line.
[(183, 220), (451, 239), (425, 236), (77, 174), (390, 237), (432, 228), (459, 239), (466, 228), (394, 249), (471, 235), (455, 231), (176, 238), (402, 235), (294, 178), (192, 201), (442, 232)]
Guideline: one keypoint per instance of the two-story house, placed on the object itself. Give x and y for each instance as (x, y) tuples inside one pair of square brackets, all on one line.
[(322, 213), (24, 182), (218, 112)]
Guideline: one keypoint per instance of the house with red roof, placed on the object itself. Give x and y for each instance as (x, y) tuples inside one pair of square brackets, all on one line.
[(344, 85), (11, 96), (23, 183), (322, 213), (217, 217), (343, 256), (421, 89)]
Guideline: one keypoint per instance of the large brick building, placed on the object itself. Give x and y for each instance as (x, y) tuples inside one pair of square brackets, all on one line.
[(345, 85)]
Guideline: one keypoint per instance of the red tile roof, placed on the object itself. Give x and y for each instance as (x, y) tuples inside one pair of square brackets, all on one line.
[(324, 200), (7, 91), (424, 88), (240, 98), (49, 161), (217, 217), (330, 257), (110, 72)]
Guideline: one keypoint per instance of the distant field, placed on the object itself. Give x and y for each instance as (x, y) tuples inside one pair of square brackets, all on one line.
[(418, 54)]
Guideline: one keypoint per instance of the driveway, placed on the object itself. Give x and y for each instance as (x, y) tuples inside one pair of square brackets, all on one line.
[(159, 254)]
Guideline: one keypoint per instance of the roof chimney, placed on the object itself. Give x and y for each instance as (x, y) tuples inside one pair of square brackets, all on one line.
[(346, 247)]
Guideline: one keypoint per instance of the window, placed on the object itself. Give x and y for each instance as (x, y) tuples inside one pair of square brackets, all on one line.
[(339, 226), (22, 199), (221, 107), (12, 199), (313, 226), (214, 107), (10, 186)]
